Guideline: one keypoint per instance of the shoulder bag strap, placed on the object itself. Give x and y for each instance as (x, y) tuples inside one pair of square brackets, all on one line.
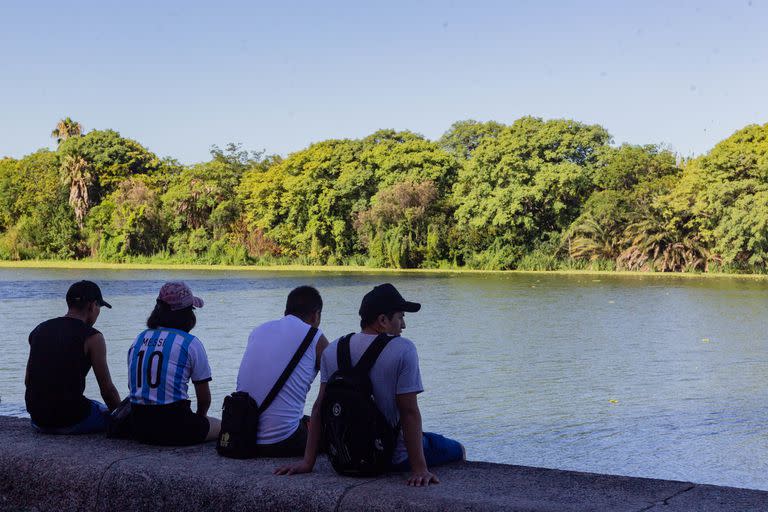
[(372, 353), (288, 370), (343, 356)]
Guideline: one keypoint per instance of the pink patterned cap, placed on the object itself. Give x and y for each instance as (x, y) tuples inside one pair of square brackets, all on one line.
[(178, 296)]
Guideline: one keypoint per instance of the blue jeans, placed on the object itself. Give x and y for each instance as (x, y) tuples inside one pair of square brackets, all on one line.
[(96, 421), (438, 450)]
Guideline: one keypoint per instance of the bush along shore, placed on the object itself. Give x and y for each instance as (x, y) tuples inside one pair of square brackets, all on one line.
[(532, 195)]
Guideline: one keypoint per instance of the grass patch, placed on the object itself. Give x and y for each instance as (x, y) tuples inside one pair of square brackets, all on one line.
[(100, 265)]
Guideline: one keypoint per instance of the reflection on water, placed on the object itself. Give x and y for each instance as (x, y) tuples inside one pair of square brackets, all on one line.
[(645, 376)]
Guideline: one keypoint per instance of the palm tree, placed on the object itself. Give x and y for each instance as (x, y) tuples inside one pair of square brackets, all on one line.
[(75, 173), (651, 244), (589, 239), (65, 129)]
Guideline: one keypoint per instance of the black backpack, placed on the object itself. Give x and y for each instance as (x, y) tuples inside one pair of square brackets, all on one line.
[(357, 437), (240, 412)]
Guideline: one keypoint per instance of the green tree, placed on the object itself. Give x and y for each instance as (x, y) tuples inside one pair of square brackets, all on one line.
[(308, 203), (463, 137), (395, 229), (630, 181), (721, 198), (38, 222), (129, 222), (8, 192), (111, 159), (523, 187), (391, 157), (203, 204), (628, 165), (305, 203)]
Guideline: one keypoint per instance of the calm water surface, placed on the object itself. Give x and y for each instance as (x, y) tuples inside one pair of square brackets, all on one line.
[(643, 376)]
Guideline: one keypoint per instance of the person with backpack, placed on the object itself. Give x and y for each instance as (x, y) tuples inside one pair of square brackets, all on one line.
[(379, 372), (282, 426), (161, 362), (61, 353)]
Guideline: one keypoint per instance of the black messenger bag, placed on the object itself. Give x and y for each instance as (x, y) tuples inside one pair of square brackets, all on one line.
[(240, 412)]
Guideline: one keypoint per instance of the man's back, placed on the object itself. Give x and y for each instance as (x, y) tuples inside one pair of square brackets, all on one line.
[(270, 347), (57, 368), (395, 372)]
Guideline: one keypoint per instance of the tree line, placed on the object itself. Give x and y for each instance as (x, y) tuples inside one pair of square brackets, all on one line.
[(535, 194)]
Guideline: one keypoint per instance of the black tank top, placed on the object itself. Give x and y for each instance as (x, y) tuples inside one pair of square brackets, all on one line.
[(57, 368)]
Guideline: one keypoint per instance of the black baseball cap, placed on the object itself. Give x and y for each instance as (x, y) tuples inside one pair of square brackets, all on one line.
[(86, 291), (383, 299)]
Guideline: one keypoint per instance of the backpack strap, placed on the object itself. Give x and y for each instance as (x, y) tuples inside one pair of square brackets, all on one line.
[(343, 356), (371, 354), (288, 369)]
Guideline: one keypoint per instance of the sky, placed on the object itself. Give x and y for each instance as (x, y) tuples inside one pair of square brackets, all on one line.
[(277, 76)]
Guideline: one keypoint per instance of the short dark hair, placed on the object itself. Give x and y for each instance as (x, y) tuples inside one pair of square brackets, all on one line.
[(368, 318), (303, 302), (163, 316), (78, 304)]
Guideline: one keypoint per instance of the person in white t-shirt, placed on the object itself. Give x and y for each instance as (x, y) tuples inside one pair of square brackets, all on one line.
[(282, 426), (396, 381)]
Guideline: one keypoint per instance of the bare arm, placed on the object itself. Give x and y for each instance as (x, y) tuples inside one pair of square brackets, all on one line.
[(410, 419), (96, 349), (322, 344), (313, 441), (203, 392)]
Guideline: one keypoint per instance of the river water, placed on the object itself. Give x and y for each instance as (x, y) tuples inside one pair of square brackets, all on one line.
[(635, 375)]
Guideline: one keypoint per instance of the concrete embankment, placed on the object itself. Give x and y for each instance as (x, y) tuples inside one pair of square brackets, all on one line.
[(93, 473)]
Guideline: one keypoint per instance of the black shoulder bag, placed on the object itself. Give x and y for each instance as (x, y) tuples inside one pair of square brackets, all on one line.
[(240, 413)]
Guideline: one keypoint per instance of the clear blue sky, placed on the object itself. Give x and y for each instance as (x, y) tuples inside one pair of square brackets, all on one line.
[(180, 76)]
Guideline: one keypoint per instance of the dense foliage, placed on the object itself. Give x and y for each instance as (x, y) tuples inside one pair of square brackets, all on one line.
[(534, 194)]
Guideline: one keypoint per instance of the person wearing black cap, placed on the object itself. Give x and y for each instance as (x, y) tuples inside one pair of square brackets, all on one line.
[(61, 353), (396, 381)]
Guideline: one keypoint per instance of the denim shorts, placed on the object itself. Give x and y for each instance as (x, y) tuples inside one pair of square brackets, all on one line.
[(438, 450), (96, 421)]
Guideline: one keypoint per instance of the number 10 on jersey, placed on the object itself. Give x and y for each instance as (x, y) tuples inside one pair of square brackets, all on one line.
[(152, 369)]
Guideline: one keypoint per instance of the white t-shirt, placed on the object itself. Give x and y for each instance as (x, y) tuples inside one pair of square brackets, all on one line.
[(270, 347), (161, 362), (395, 372)]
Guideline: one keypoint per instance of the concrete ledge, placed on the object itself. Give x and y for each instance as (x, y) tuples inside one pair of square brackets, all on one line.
[(88, 473)]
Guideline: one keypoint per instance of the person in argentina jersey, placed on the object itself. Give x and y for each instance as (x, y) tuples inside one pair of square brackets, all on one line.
[(161, 362)]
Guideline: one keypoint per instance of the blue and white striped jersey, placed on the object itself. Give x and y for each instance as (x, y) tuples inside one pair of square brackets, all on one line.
[(161, 363)]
